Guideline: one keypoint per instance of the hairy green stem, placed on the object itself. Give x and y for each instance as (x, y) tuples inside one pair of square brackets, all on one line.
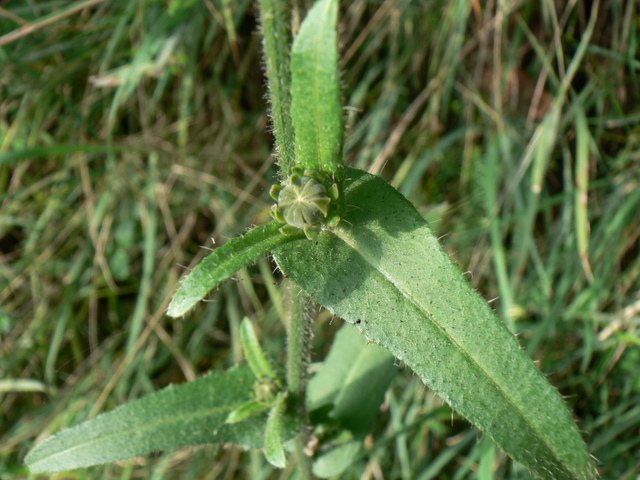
[(275, 18), (298, 353), (299, 337), (304, 465)]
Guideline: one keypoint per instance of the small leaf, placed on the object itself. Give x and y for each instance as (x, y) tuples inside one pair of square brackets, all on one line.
[(224, 262), (383, 269), (316, 107), (189, 414), (246, 410), (256, 358), (273, 449)]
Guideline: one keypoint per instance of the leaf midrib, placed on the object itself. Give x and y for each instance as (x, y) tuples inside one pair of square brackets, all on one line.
[(145, 427), (342, 233)]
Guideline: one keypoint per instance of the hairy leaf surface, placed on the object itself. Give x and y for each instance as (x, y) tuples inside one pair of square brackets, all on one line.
[(223, 262), (189, 414), (384, 266), (273, 447), (316, 109)]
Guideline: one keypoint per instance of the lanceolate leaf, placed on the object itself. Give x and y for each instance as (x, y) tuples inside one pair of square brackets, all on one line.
[(384, 266), (256, 358), (273, 449), (316, 108), (223, 262), (188, 414), (246, 410)]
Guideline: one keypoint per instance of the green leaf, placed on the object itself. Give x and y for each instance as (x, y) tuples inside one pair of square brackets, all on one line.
[(273, 449), (336, 460), (354, 378), (189, 414), (316, 107), (325, 386), (224, 262), (246, 410), (384, 266), (256, 358)]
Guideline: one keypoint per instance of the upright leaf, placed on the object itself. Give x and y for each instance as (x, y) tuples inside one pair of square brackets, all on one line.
[(189, 414), (260, 365), (273, 449), (384, 266), (316, 107)]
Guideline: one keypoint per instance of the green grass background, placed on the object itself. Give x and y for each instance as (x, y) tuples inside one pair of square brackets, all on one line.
[(134, 134)]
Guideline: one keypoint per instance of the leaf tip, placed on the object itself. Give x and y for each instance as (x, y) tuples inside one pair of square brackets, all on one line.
[(175, 309)]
